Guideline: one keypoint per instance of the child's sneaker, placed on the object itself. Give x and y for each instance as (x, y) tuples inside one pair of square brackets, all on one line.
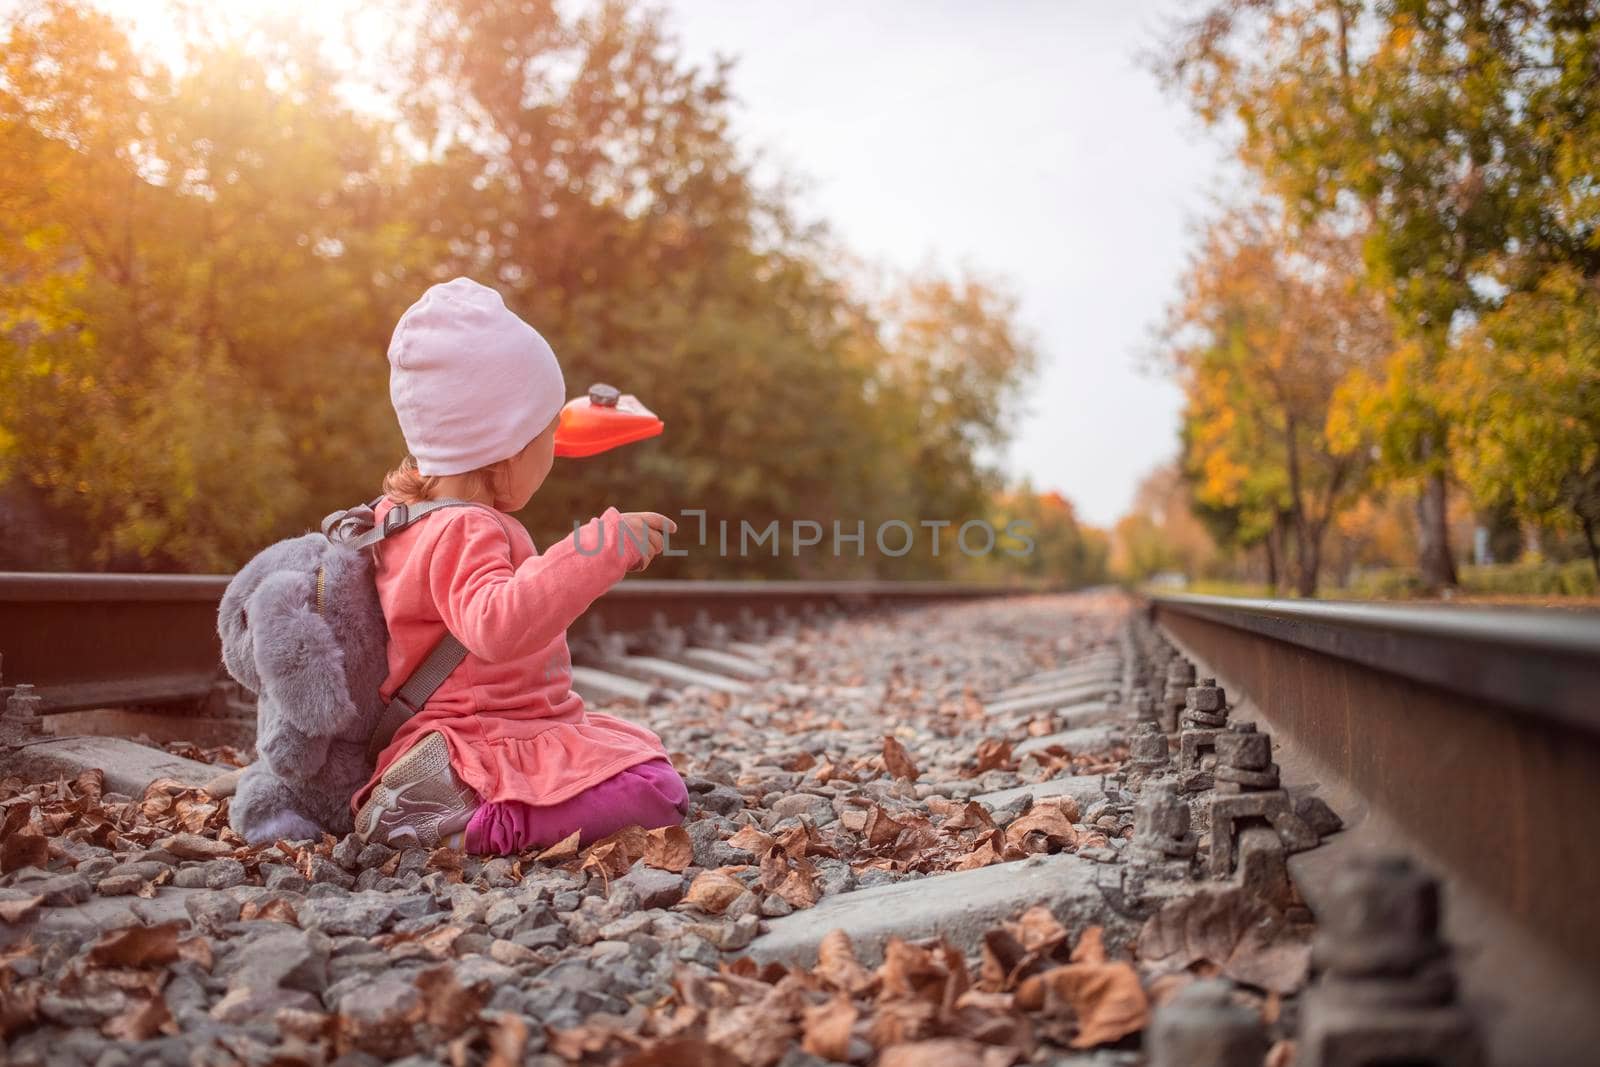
[(419, 800)]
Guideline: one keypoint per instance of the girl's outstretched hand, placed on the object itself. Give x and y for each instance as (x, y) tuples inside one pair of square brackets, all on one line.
[(640, 526)]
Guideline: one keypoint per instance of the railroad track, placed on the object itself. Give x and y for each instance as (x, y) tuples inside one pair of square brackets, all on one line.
[(934, 773), (97, 640)]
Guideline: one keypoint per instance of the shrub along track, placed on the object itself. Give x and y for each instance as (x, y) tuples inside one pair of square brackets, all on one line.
[(912, 841)]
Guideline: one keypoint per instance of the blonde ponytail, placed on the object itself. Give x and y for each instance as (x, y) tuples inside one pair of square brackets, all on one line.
[(407, 485)]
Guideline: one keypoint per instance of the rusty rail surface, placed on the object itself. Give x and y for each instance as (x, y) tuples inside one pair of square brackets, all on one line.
[(97, 640), (1476, 731)]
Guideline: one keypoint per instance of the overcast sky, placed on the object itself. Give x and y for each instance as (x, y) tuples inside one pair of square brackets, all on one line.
[(1025, 139)]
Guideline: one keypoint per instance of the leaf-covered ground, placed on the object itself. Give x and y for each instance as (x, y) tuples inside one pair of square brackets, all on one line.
[(855, 766)]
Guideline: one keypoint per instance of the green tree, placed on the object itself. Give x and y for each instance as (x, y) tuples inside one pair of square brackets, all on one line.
[(1526, 387), (1401, 117)]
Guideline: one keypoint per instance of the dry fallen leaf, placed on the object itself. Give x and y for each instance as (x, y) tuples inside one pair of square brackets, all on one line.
[(712, 892), (897, 761), (190, 846), (756, 1035), (198, 951), (140, 1021), (669, 849), (137, 946), (1105, 999), (993, 754), (448, 1005), (682, 1052), (277, 909), (946, 1052), (970, 816), (24, 845), (987, 853), (752, 839), (20, 909), (1046, 827), (793, 879), (881, 828), (828, 1026), (1242, 937), (508, 1037), (1038, 931), (1091, 946), (561, 851), (838, 967)]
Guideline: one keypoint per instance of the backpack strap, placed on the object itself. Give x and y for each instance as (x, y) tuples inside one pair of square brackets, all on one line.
[(359, 529), (395, 519), (413, 694)]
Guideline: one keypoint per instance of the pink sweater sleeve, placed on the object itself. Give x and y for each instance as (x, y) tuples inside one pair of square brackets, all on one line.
[(500, 612)]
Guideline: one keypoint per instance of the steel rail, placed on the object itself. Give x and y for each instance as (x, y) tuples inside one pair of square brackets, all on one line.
[(1476, 731), (1544, 663), (97, 640)]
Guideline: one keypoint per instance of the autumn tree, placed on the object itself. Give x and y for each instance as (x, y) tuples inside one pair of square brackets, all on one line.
[(1398, 118), (1161, 534), (1273, 320), (201, 268)]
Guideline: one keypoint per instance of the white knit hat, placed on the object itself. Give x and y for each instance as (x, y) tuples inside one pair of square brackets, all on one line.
[(471, 383)]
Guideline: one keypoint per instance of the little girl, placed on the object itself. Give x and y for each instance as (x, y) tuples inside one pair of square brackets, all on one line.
[(503, 757)]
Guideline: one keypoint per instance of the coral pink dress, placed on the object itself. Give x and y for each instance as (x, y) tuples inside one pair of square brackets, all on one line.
[(516, 730)]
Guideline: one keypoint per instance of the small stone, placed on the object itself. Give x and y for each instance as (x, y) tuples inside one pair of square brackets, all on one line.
[(1316, 814), (693, 948), (119, 884), (325, 871), (82, 1011), (144, 870), (367, 878), (818, 809), (555, 936), (774, 906), (413, 859), (724, 800), (422, 923), (375, 854), (875, 876), (347, 853), (224, 874), (501, 911), (496, 873), (739, 933), (472, 944), (283, 956), (1296, 835), (282, 877), (510, 953), (834, 876), (62, 890), (363, 914), (249, 1002), (96, 866), (655, 888), (190, 877), (625, 927), (212, 910)]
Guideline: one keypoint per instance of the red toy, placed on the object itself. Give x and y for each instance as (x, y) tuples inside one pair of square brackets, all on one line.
[(603, 420)]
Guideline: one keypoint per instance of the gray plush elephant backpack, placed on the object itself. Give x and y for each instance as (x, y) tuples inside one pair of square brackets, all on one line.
[(302, 629)]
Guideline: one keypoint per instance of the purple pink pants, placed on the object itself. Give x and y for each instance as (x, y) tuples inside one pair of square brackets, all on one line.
[(649, 794)]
